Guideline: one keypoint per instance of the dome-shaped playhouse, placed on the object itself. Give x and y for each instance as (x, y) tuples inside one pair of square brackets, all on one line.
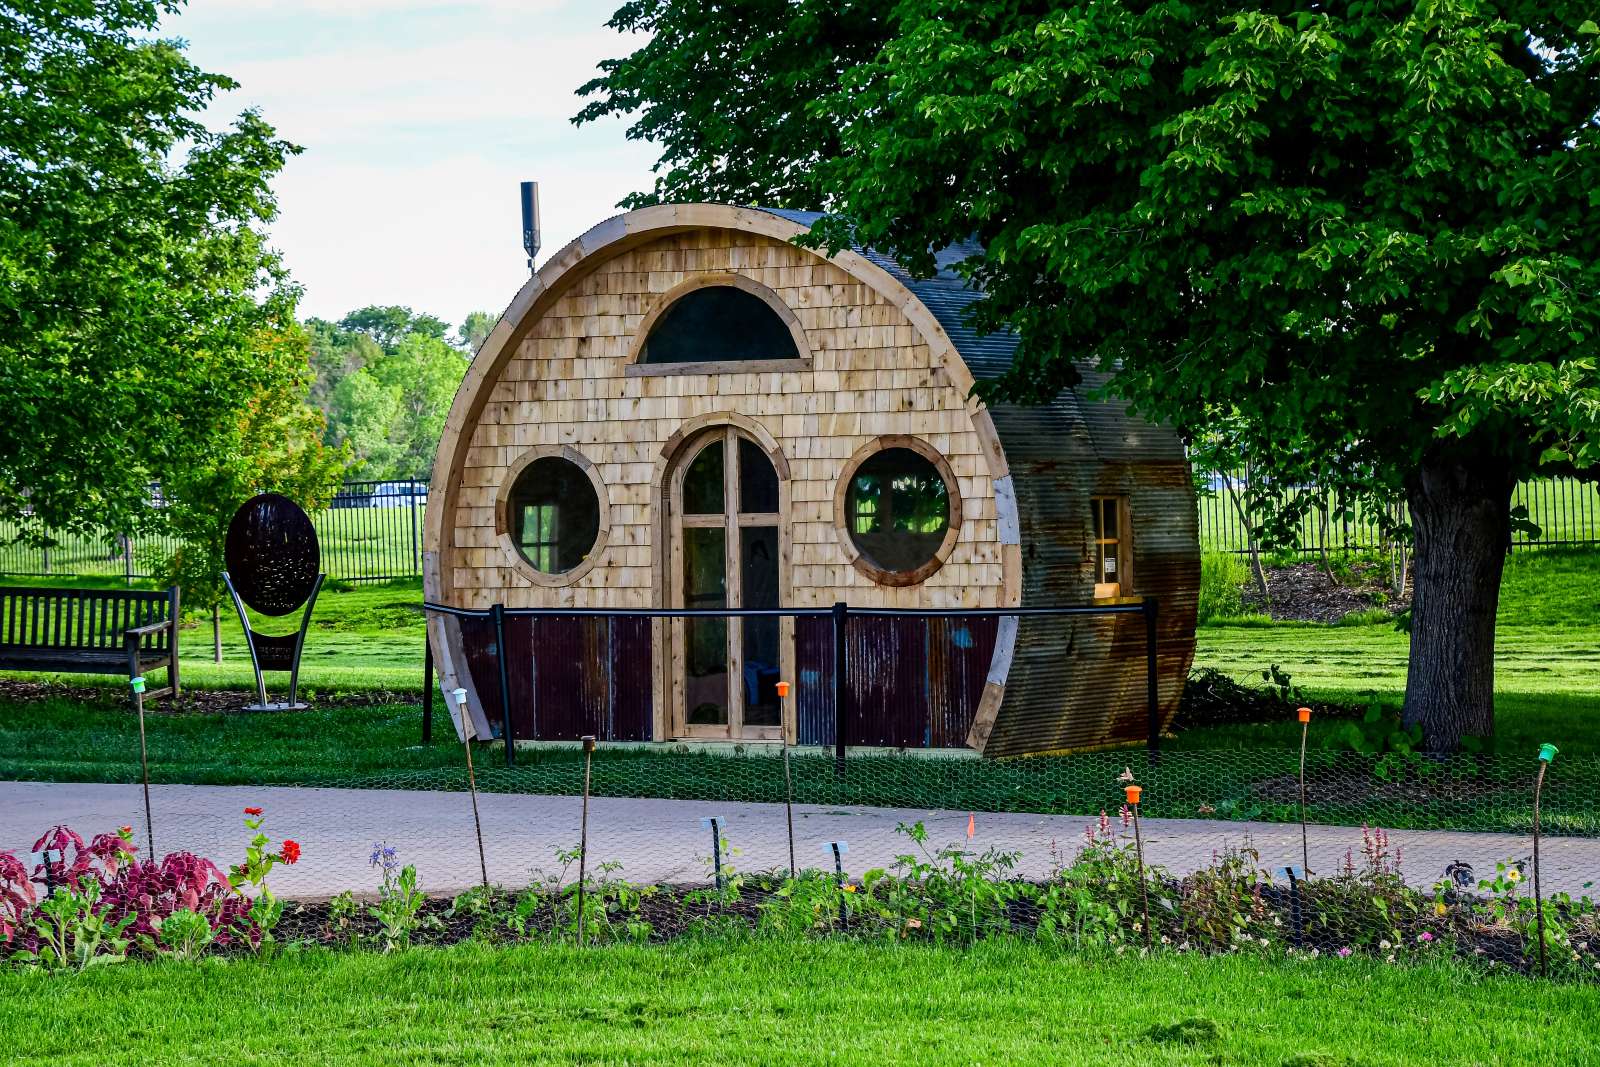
[(683, 409)]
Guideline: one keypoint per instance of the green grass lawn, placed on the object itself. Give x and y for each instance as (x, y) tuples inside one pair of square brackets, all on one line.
[(370, 637), (1547, 659), (363, 637), (783, 1002)]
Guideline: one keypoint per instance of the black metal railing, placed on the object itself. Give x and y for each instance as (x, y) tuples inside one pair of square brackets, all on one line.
[(839, 615)]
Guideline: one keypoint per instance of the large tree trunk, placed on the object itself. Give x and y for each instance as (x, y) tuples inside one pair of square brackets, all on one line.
[(1461, 518)]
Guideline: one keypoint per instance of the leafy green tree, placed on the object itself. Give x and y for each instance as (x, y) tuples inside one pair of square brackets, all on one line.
[(1367, 231), (726, 91), (274, 446), (335, 354), (131, 259), (388, 324), (475, 329), (387, 405)]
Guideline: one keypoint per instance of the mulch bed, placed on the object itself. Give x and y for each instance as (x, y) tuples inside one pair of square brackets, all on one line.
[(1303, 592)]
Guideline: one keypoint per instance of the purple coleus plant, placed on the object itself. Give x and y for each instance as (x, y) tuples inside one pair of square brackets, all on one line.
[(146, 892)]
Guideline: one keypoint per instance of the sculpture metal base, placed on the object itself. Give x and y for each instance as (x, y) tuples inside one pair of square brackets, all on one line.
[(275, 652)]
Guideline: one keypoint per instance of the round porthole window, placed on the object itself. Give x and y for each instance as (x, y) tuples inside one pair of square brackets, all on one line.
[(899, 505), (553, 515)]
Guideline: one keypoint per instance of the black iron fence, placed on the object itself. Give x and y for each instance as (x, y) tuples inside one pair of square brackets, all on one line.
[(1559, 511), (372, 531)]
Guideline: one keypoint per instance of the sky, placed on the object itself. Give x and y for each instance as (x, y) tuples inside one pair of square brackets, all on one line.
[(418, 119)]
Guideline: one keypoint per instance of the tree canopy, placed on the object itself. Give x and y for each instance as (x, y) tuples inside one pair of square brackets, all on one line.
[(1367, 233), (135, 280), (385, 377)]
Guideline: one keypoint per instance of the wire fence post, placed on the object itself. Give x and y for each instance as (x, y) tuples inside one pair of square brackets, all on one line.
[(788, 778), (1133, 792), (839, 848), (1547, 752), (583, 830), (136, 683), (499, 614), (1304, 715), (841, 614), (460, 696), (1151, 695), (715, 823)]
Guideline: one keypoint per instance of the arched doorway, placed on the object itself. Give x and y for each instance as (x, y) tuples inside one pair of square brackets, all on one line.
[(728, 541)]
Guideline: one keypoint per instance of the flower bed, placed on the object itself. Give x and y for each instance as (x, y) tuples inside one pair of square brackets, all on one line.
[(103, 905)]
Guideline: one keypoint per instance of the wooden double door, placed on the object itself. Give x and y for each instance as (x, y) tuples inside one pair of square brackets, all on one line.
[(728, 547)]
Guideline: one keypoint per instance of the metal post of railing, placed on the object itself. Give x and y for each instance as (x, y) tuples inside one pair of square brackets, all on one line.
[(427, 691), (499, 614), (841, 615), (1151, 696)]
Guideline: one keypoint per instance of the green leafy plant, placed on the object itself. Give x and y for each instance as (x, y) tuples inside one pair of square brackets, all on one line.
[(75, 929), (266, 910), (1380, 735), (398, 911), (183, 935)]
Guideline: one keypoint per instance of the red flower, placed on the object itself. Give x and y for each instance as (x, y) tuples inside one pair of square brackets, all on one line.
[(252, 811), (291, 851)]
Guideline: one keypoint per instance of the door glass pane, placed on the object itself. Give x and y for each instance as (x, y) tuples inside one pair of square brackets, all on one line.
[(706, 640), (702, 483), (758, 482), (758, 576)]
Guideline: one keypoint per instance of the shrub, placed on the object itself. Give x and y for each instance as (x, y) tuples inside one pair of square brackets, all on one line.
[(1222, 577), (1212, 698)]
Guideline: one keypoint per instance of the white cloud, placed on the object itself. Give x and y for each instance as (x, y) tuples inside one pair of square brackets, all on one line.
[(418, 119)]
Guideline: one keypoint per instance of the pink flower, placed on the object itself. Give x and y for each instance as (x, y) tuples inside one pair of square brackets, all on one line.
[(1345, 952), (1424, 937)]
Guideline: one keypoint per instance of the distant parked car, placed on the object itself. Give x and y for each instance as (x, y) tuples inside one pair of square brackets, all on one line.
[(398, 495)]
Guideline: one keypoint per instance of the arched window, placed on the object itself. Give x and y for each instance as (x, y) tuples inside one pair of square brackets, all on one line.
[(718, 324)]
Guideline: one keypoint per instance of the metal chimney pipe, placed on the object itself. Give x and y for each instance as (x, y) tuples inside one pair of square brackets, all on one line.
[(530, 221)]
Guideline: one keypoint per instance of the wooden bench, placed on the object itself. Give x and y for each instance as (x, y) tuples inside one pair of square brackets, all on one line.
[(90, 631)]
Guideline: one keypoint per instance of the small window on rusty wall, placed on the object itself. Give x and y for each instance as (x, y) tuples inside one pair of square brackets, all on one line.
[(554, 514), (1113, 563), (718, 324)]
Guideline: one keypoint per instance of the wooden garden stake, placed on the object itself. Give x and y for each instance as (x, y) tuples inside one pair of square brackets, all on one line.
[(788, 779), (583, 829), (1305, 729), (136, 683), (1547, 752), (460, 696), (1133, 793)]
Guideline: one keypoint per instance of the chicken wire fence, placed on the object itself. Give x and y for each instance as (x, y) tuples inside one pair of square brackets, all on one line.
[(1399, 859)]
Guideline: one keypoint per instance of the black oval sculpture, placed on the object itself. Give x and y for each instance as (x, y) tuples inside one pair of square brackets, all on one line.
[(272, 554)]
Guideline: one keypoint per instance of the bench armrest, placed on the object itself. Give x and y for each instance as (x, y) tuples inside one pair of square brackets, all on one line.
[(144, 631)]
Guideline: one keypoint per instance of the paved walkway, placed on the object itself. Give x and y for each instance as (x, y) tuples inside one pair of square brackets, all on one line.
[(663, 840)]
